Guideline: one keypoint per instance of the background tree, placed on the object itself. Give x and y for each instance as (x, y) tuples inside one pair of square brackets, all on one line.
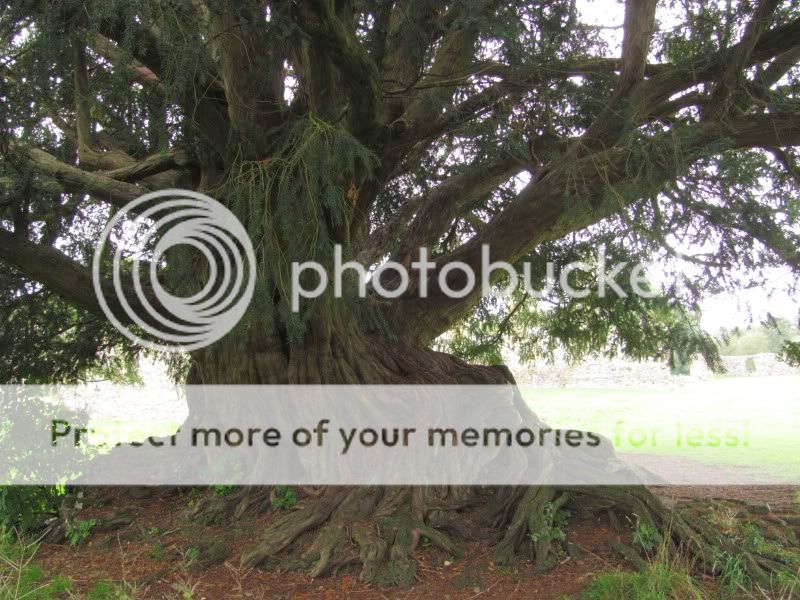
[(387, 126)]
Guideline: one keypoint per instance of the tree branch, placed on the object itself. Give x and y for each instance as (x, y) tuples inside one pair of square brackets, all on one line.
[(251, 70), (118, 193), (640, 18), (618, 116), (431, 213), (202, 102), (411, 29), (60, 274), (87, 152), (662, 86), (445, 202), (542, 211), (152, 165), (753, 223), (452, 57), (359, 70), (119, 58), (733, 74)]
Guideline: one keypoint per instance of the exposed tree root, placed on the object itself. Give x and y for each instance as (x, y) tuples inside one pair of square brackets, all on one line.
[(245, 502), (379, 528)]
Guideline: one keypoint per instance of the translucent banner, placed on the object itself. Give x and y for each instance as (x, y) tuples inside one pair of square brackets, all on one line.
[(395, 435)]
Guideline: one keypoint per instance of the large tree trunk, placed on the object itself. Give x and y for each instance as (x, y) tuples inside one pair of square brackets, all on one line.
[(377, 529)]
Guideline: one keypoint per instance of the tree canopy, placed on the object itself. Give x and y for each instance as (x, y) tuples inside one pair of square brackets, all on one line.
[(388, 126)]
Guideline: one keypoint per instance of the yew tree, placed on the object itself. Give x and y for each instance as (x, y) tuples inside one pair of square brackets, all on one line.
[(385, 127)]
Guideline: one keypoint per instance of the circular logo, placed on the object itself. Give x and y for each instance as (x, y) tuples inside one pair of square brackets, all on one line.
[(163, 220)]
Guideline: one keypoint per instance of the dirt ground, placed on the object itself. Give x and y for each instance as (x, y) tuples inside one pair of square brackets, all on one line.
[(153, 555)]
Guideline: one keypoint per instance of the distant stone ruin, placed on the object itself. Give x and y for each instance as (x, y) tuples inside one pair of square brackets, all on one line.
[(623, 373)]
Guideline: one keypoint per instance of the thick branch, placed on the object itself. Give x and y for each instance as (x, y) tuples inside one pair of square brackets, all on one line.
[(83, 124), (119, 58), (434, 211), (411, 29), (543, 211), (77, 180), (733, 74), (452, 58), (441, 205), (618, 116), (57, 272), (152, 165), (640, 17), (87, 152), (356, 65), (251, 70)]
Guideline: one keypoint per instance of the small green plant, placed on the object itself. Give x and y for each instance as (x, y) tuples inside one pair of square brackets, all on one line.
[(284, 497), (191, 556), (79, 531), (554, 524), (224, 490), (157, 552), (733, 577), (645, 536), (787, 585), (726, 520), (107, 590), (753, 538), (797, 498), (185, 589), (154, 531), (194, 495)]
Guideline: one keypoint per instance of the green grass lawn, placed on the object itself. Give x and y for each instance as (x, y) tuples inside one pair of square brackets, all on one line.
[(749, 421)]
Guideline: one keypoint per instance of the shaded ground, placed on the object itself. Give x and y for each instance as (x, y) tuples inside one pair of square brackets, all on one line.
[(159, 554)]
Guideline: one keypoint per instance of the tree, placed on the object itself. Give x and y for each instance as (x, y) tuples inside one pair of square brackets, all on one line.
[(386, 127)]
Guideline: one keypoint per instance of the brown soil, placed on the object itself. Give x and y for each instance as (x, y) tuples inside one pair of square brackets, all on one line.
[(151, 555)]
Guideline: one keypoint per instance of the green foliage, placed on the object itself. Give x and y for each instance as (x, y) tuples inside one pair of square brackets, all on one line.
[(663, 579), (791, 353), (46, 340), (190, 556), (20, 578), (733, 576), (25, 507), (284, 497), (79, 531), (635, 326), (157, 552), (224, 490), (553, 525), (646, 536), (107, 590), (775, 335)]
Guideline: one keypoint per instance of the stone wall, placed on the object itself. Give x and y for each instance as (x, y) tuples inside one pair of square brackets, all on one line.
[(625, 373), (764, 364)]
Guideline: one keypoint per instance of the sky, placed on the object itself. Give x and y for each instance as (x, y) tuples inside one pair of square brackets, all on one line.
[(726, 310)]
